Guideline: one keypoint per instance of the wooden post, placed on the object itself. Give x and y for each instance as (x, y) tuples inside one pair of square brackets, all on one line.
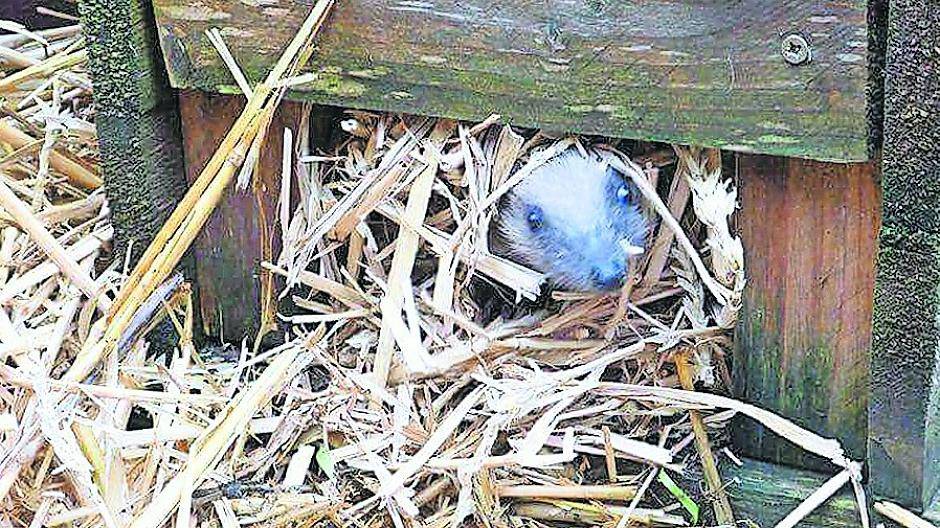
[(243, 230), (138, 127), (904, 416), (809, 231), (137, 119)]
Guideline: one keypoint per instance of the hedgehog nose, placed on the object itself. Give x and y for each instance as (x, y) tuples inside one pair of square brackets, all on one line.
[(608, 276)]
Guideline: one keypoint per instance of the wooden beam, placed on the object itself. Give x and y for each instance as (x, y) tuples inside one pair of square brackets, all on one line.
[(765, 493), (244, 230), (136, 117), (708, 73), (802, 345), (904, 417), (137, 123)]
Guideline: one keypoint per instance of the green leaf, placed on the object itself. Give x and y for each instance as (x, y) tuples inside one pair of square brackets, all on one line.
[(684, 499), (325, 461)]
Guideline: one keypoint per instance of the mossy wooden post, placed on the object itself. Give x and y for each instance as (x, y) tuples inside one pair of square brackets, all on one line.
[(802, 344), (138, 127), (136, 117), (904, 416)]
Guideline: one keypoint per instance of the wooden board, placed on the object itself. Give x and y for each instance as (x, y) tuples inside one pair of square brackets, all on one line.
[(905, 400), (803, 341), (765, 493), (708, 72), (138, 129), (229, 250)]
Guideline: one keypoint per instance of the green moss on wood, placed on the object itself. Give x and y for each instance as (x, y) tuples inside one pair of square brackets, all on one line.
[(686, 72), (906, 340), (129, 75), (136, 120), (905, 407), (803, 338), (796, 383), (765, 493)]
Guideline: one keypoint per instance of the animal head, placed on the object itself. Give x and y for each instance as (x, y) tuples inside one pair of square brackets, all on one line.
[(576, 219)]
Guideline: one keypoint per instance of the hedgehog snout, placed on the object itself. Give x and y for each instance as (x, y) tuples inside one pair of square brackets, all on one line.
[(608, 276), (605, 263)]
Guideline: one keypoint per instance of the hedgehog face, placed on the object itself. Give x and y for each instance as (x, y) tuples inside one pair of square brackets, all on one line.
[(575, 219)]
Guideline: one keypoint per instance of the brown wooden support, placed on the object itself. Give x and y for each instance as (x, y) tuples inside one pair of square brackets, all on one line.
[(802, 349), (243, 231)]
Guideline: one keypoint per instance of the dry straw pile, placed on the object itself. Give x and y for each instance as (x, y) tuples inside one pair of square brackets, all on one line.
[(423, 381)]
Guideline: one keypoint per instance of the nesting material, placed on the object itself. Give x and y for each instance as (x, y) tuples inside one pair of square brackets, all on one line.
[(54, 273), (422, 380), (457, 375)]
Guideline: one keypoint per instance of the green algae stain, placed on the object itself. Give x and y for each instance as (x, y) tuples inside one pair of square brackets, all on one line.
[(774, 138), (334, 84), (370, 73), (228, 89)]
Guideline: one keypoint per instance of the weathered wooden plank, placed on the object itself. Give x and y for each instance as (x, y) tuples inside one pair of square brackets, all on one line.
[(706, 72), (243, 229), (802, 349), (765, 493), (904, 417), (137, 123)]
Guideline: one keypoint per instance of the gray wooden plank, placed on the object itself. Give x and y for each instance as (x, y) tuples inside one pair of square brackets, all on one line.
[(705, 72)]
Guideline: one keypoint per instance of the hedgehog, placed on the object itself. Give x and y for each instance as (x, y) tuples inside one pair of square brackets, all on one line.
[(576, 219)]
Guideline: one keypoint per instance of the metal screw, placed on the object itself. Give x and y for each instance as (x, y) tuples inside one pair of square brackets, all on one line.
[(795, 49)]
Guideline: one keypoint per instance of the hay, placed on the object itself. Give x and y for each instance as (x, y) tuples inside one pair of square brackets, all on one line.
[(542, 399), (54, 276), (422, 381)]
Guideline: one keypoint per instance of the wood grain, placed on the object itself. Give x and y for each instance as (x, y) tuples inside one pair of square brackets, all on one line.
[(804, 338), (705, 72), (765, 493), (230, 249)]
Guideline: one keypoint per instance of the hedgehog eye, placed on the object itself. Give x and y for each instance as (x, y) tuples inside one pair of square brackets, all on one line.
[(535, 218), (623, 194)]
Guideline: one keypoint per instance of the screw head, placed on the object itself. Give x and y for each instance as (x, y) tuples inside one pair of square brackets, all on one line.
[(795, 49)]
